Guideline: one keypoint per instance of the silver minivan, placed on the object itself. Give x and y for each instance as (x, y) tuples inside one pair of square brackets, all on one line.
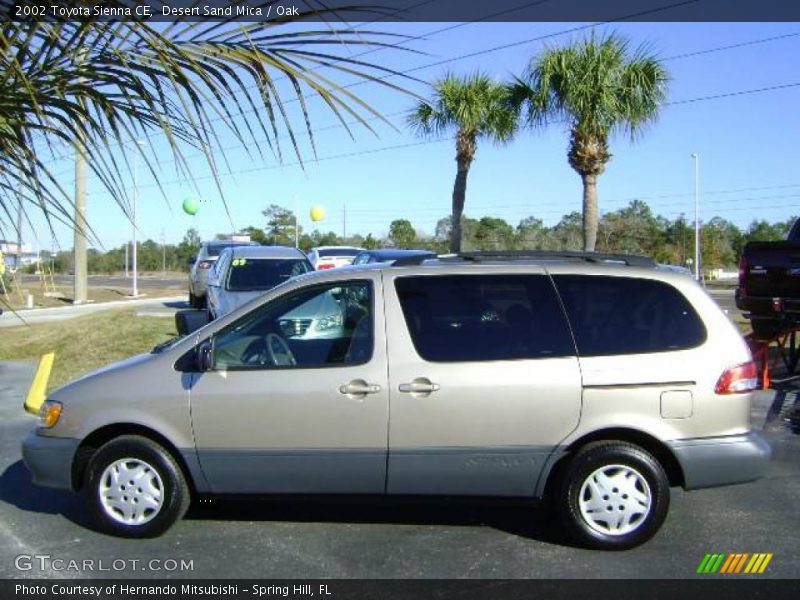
[(597, 384)]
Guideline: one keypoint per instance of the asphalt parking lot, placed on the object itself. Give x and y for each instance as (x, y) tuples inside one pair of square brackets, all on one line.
[(270, 538)]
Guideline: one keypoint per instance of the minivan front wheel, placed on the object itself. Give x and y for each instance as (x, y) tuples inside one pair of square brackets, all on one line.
[(135, 488), (613, 496)]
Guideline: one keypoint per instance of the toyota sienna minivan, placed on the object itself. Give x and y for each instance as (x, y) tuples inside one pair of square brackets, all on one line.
[(598, 382)]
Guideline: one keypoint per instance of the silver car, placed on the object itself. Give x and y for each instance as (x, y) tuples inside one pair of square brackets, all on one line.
[(600, 385), (243, 273), (201, 265)]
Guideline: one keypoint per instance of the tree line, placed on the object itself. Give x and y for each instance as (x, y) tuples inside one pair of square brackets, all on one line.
[(634, 229)]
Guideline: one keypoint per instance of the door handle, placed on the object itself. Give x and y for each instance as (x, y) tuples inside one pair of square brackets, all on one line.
[(418, 386), (359, 387)]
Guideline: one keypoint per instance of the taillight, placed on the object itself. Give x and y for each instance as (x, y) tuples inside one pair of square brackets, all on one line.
[(738, 380), (743, 273), (325, 266), (205, 264)]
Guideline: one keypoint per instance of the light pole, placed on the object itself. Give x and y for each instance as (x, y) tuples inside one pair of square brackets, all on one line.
[(134, 266), (696, 158), (296, 224)]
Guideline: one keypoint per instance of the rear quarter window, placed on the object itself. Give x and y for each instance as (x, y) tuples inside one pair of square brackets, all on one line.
[(626, 315), (453, 318)]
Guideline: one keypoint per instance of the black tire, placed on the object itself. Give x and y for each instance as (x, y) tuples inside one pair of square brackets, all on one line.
[(586, 463), (174, 492), (198, 302), (766, 329)]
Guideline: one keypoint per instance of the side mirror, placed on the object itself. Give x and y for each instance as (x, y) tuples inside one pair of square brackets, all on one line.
[(190, 261), (205, 356)]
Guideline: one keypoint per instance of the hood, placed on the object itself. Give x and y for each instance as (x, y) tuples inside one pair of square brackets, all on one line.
[(110, 368)]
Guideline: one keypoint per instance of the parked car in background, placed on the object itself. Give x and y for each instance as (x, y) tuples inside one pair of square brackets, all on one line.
[(677, 269), (242, 273), (200, 266), (595, 384), (383, 255), (329, 257)]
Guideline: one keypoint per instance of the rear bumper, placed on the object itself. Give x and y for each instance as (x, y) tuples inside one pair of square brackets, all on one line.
[(766, 305), (710, 462), (49, 459)]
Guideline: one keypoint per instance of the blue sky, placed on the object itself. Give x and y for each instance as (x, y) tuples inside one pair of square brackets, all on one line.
[(748, 145)]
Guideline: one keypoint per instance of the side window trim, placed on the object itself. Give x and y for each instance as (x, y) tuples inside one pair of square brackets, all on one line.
[(534, 339), (370, 285), (561, 284)]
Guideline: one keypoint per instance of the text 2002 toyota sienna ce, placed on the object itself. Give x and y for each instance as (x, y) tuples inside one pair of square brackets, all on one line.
[(598, 385)]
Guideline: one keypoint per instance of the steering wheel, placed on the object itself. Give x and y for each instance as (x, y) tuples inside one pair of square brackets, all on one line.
[(255, 354), (279, 351)]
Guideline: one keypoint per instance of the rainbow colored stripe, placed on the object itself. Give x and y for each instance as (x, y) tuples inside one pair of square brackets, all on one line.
[(735, 563)]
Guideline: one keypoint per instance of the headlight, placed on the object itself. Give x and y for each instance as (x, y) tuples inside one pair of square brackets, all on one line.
[(329, 322), (49, 413)]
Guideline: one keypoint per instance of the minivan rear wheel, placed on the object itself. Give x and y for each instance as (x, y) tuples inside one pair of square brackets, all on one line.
[(613, 496), (135, 488)]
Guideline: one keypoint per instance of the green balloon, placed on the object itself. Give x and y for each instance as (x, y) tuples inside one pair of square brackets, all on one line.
[(190, 205)]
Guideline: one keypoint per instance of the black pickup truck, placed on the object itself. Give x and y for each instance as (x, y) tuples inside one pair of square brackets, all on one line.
[(769, 284)]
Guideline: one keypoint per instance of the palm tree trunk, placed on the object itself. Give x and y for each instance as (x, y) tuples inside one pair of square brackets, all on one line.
[(589, 211), (459, 197)]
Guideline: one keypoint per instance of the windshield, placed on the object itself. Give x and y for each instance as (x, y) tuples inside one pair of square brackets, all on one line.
[(248, 274), (339, 252)]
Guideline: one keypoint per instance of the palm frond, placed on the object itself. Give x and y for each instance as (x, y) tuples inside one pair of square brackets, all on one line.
[(107, 84)]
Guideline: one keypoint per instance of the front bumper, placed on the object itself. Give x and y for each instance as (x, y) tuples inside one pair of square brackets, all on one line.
[(49, 459), (709, 462)]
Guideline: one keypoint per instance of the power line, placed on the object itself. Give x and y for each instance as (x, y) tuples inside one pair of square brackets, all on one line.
[(433, 141), (765, 40), (242, 113), (338, 125), (736, 93), (542, 37), (615, 202)]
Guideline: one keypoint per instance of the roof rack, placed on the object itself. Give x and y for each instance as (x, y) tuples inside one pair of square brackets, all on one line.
[(631, 260)]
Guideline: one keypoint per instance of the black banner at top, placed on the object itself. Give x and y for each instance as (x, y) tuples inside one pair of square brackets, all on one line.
[(387, 11)]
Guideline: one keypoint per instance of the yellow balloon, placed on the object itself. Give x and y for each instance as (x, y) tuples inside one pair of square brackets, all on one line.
[(317, 213)]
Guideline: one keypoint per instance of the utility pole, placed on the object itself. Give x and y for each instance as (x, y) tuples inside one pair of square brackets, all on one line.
[(163, 255), (18, 261), (296, 224), (134, 266), (80, 280), (80, 283), (344, 221), (697, 271)]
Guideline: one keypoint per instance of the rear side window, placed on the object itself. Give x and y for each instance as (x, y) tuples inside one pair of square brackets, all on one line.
[(624, 315), (484, 317)]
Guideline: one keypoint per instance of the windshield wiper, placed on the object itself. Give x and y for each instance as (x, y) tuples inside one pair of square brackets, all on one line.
[(160, 347)]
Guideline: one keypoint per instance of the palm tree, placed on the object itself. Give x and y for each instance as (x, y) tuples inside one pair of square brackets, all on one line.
[(96, 87), (476, 107), (597, 87)]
